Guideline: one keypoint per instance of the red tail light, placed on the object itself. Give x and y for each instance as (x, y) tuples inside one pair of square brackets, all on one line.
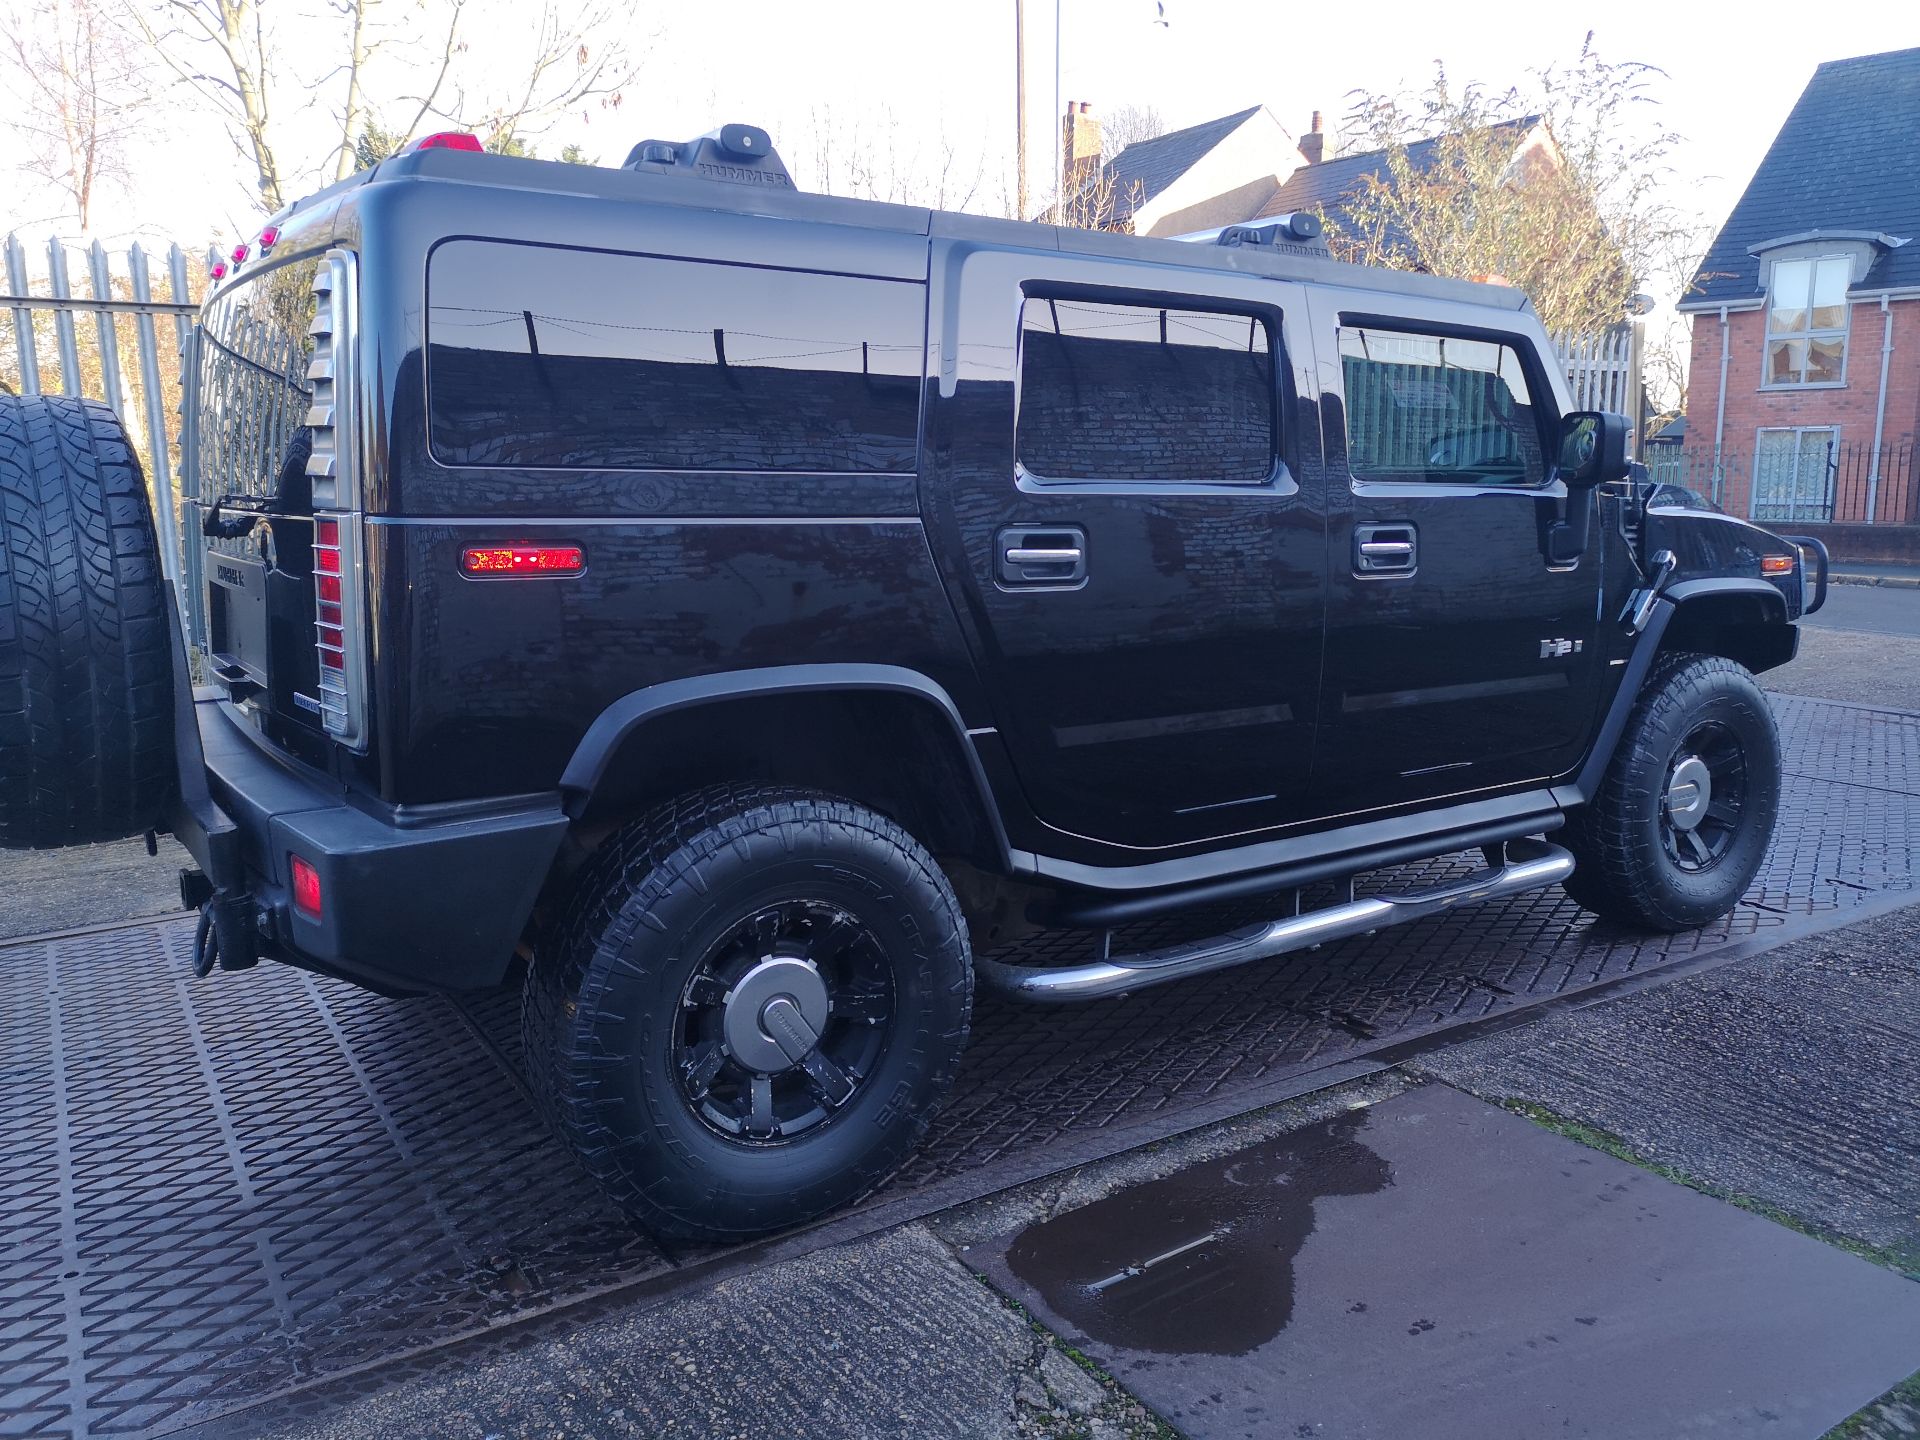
[(306, 888), (490, 560), (448, 140), (329, 635)]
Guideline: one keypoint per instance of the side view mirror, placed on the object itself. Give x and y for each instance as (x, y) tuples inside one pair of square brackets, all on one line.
[(1593, 448)]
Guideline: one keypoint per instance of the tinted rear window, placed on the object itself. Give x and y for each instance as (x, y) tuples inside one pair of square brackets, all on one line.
[(574, 359), (1124, 392)]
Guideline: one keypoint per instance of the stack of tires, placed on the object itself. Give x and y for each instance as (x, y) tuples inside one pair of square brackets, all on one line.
[(86, 664)]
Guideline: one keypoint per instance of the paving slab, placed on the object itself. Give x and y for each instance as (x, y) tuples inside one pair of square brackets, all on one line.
[(1792, 1077), (1435, 1266)]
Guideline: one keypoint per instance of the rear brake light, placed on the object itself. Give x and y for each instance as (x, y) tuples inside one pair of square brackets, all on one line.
[(523, 560), (1776, 564), (448, 140), (306, 888), (329, 621)]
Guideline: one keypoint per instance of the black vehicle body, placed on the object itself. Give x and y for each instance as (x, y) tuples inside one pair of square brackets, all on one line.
[(1202, 694)]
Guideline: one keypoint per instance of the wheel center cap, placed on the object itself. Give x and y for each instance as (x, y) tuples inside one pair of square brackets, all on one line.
[(1689, 790), (774, 1015)]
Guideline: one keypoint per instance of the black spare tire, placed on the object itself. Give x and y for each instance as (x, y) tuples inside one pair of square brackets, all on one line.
[(86, 678)]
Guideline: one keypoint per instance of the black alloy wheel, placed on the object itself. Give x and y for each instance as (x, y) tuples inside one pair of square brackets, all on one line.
[(783, 1021), (1705, 798)]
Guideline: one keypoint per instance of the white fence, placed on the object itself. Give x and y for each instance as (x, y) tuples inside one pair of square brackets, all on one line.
[(1602, 369)]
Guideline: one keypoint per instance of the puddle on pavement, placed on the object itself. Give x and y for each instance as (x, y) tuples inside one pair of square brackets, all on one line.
[(1201, 1261)]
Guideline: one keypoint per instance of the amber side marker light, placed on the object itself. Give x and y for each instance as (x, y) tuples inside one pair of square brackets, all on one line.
[(1776, 564), (490, 561)]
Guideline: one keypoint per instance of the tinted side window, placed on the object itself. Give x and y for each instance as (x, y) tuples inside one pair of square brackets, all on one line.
[(1112, 391), (578, 359), (1438, 408)]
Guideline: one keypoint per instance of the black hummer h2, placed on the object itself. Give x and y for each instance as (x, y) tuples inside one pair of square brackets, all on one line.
[(744, 611)]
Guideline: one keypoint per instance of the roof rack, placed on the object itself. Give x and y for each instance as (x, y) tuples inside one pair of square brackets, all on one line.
[(733, 154)]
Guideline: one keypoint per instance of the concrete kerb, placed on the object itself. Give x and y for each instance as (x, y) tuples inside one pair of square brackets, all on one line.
[(1894, 582)]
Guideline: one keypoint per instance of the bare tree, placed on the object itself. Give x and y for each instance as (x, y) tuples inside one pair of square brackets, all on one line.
[(395, 70), (75, 85), (868, 162), (1128, 125), (1573, 218)]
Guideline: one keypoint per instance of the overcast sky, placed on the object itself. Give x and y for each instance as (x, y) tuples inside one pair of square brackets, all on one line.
[(925, 77)]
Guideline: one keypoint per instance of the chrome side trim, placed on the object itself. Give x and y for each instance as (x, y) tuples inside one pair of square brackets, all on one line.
[(1525, 865)]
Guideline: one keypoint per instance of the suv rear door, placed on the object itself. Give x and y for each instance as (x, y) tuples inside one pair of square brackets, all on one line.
[(1113, 477), (1459, 659)]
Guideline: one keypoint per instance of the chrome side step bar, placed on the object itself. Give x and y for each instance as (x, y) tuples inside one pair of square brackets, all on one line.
[(1521, 865)]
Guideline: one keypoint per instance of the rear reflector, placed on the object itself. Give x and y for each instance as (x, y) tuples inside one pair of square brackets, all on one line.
[(306, 888), (523, 560), (1776, 564)]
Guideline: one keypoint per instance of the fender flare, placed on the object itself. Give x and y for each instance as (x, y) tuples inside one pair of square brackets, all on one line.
[(621, 719), (1646, 646)]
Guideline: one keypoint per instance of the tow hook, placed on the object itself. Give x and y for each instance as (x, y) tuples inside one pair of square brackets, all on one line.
[(226, 935), (1640, 605)]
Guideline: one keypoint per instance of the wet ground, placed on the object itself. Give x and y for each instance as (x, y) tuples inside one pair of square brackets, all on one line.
[(1434, 1266)]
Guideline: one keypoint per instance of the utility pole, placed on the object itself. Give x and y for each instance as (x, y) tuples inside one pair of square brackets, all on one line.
[(1020, 106)]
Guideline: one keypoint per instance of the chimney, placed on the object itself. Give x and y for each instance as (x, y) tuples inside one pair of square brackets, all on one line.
[(1079, 145), (1313, 144)]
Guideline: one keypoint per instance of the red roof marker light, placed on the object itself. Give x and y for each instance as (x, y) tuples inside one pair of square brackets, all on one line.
[(239, 253), (269, 237), (448, 140), (218, 270)]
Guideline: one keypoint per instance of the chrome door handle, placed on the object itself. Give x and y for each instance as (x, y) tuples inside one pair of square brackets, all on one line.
[(1041, 557), (1021, 555), (1385, 549)]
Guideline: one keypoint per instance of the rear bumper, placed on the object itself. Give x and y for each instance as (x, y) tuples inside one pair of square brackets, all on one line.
[(432, 905)]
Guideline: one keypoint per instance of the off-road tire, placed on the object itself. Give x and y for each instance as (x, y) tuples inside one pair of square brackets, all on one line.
[(86, 678), (602, 1005), (1623, 869)]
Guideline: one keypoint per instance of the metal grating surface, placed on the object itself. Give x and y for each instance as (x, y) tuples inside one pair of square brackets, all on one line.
[(212, 1192)]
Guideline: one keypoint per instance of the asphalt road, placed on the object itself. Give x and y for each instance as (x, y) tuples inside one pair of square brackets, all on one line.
[(1876, 609)]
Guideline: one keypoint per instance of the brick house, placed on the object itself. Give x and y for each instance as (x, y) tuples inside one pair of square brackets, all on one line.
[(1804, 390)]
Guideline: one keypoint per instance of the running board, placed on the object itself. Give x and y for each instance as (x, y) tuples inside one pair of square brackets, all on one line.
[(1521, 865)]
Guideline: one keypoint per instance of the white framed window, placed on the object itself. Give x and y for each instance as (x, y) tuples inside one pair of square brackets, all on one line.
[(1807, 322), (1793, 469)]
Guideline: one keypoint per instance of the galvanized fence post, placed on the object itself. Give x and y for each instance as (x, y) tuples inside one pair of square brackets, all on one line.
[(102, 284), (165, 506), (63, 318), (22, 318)]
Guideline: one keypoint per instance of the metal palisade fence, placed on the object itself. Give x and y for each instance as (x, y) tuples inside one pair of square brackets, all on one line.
[(1602, 368), (1799, 474), (120, 341)]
